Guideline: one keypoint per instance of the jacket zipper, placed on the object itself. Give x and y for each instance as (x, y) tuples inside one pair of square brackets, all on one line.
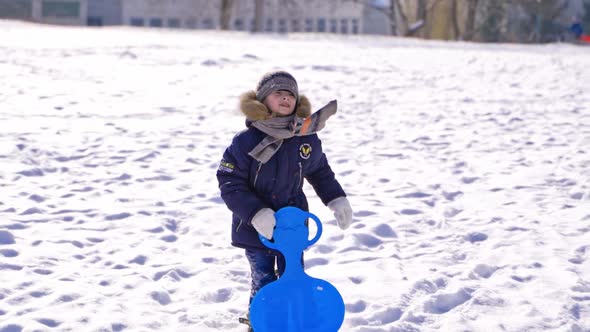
[(300, 175), (254, 186), (256, 176)]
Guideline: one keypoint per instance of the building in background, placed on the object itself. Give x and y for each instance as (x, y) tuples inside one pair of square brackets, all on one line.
[(16, 9), (470, 20), (336, 16), (189, 14), (65, 12), (105, 12)]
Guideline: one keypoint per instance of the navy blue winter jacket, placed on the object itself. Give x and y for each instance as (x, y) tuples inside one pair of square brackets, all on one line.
[(247, 185)]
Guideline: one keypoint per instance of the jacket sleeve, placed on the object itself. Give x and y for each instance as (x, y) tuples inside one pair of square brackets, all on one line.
[(233, 178), (322, 178)]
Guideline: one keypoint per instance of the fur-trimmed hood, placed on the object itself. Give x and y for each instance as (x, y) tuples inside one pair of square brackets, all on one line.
[(257, 111)]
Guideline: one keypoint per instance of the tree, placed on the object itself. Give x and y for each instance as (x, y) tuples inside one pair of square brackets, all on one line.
[(440, 17), (258, 15), (469, 32), (421, 13), (226, 11), (542, 15), (493, 21), (586, 18), (454, 18), (397, 16)]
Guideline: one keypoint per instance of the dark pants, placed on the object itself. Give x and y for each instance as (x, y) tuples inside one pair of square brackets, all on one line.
[(262, 267)]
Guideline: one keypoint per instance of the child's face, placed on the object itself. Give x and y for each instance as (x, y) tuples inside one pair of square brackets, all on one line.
[(281, 102)]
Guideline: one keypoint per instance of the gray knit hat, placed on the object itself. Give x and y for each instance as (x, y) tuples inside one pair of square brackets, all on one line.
[(277, 80)]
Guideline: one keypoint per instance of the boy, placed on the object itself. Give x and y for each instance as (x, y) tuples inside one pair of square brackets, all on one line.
[(263, 169)]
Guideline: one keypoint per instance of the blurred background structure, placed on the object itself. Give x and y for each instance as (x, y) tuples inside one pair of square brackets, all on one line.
[(521, 21)]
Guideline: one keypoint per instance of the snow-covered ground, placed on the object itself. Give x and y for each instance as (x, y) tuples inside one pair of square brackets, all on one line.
[(467, 165)]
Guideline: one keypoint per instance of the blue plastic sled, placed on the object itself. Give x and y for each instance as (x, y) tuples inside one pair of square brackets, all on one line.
[(295, 302)]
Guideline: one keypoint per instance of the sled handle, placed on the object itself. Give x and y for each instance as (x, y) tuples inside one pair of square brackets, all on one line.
[(315, 239)]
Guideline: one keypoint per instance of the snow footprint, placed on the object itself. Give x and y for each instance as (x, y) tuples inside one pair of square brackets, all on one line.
[(581, 294), (387, 316), (49, 322), (580, 254), (482, 271), (161, 297), (11, 328), (443, 303), (357, 307), (174, 274), (384, 231), (218, 296), (6, 238), (9, 253)]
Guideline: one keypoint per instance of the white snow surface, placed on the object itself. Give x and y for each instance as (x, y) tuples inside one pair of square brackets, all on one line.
[(467, 166)]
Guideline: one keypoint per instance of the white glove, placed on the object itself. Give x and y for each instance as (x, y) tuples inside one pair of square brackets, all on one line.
[(264, 222), (342, 211)]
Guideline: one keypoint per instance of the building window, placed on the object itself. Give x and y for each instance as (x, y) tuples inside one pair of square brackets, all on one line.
[(344, 26), (61, 9), (239, 24), (94, 21), (22, 9), (137, 21), (355, 26), (174, 23), (191, 23), (295, 26), (308, 25), (282, 25), (321, 25), (333, 25), (207, 23), (269, 25), (155, 22)]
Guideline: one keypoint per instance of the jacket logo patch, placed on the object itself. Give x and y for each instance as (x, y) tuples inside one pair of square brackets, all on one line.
[(305, 151), (224, 166)]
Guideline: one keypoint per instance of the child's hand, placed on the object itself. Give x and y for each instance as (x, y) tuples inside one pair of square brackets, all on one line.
[(264, 222), (342, 211)]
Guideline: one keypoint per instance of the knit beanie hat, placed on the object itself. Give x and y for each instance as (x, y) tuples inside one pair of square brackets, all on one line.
[(274, 81)]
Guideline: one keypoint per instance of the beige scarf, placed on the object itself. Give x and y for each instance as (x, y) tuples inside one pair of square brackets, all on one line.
[(280, 128)]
